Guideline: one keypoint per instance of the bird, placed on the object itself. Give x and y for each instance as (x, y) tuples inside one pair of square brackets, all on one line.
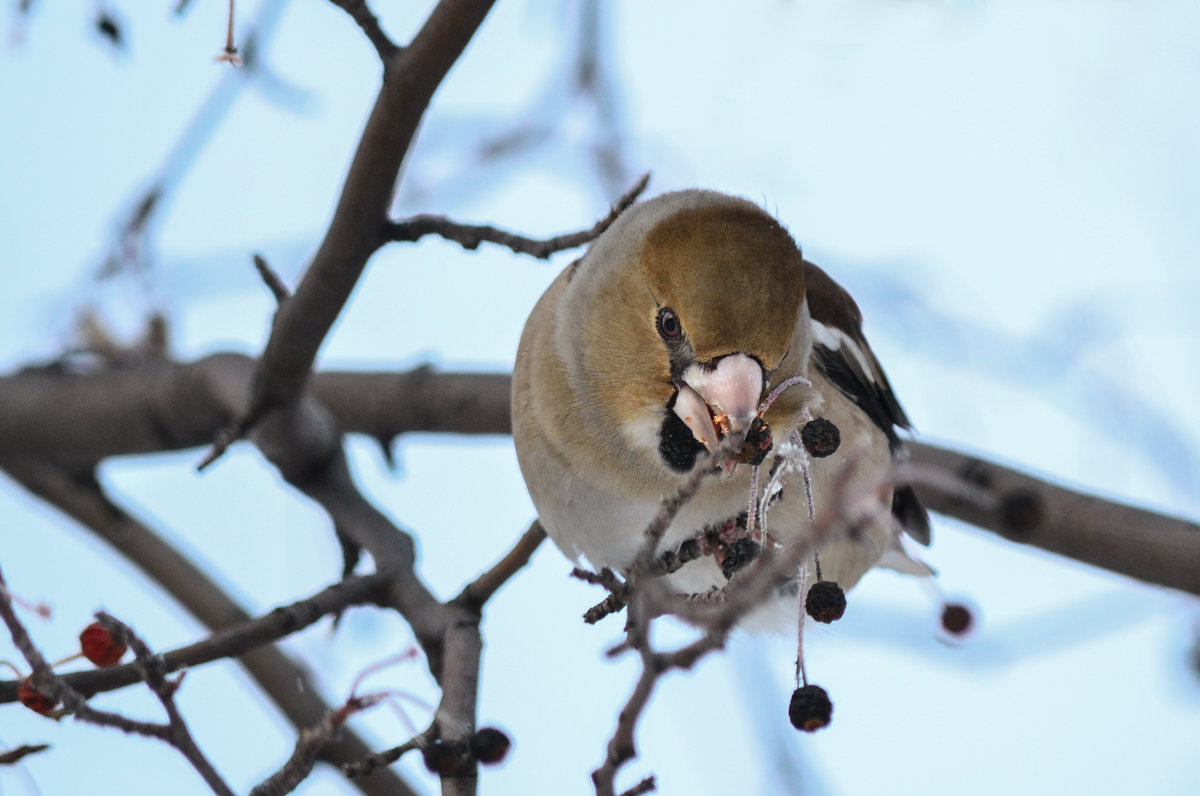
[(665, 335)]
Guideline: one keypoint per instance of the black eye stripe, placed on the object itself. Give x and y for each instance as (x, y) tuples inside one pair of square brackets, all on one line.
[(668, 324)]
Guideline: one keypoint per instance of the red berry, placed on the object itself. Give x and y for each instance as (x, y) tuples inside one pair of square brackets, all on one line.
[(99, 646), (34, 699)]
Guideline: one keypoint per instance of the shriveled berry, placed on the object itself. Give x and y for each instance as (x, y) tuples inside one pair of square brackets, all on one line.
[(757, 445), (490, 745), (446, 758), (738, 555), (99, 646), (820, 437), (34, 699), (826, 602), (810, 708), (957, 619)]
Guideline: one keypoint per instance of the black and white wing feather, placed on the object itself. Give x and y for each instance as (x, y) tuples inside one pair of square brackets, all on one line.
[(844, 357)]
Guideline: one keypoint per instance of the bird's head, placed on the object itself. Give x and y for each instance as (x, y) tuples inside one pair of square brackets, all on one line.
[(680, 316)]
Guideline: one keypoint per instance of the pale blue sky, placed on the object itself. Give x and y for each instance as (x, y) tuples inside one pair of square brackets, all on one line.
[(1009, 188)]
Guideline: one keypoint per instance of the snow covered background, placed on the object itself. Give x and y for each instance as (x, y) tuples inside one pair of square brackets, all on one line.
[(1011, 190)]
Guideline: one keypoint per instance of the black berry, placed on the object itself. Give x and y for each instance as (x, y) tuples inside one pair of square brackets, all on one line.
[(490, 745), (810, 708), (957, 619), (826, 602), (757, 445), (820, 437), (738, 555), (447, 758)]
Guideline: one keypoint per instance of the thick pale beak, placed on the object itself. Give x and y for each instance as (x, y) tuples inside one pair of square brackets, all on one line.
[(714, 402)]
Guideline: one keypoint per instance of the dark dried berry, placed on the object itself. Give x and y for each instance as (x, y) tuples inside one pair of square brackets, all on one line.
[(99, 646), (957, 619), (738, 555), (490, 745), (447, 758), (826, 602), (820, 437), (34, 699), (810, 708), (757, 445)]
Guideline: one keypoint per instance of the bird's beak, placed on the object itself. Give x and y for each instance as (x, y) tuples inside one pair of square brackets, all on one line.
[(713, 402)]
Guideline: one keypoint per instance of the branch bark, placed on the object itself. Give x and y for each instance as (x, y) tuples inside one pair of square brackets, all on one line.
[(1146, 545)]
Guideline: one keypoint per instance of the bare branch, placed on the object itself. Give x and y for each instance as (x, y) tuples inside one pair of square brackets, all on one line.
[(232, 642), (308, 748), (411, 77), (362, 768), (482, 588), (470, 236), (157, 406), (154, 673), (271, 279), (14, 756), (645, 786), (47, 682), (288, 685), (1142, 544), (361, 14)]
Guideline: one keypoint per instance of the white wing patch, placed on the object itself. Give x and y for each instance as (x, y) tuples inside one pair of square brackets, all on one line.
[(836, 340)]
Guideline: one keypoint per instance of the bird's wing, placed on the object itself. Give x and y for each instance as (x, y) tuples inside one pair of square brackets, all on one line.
[(845, 358)]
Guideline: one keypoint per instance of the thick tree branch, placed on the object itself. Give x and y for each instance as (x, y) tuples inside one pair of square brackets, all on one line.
[(1142, 544), (156, 405), (411, 77)]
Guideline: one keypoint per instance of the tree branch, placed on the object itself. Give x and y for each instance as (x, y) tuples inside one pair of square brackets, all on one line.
[(289, 686), (1146, 545), (411, 77), (156, 405), (470, 236), (229, 643), (361, 14)]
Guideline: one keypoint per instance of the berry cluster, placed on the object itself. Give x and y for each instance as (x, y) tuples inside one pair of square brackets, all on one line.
[(96, 644)]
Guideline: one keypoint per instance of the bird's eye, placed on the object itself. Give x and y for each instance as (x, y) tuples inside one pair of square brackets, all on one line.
[(668, 324)]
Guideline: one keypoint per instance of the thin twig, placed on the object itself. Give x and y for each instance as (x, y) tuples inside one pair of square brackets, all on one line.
[(470, 236), (232, 642), (47, 682), (645, 786), (361, 14), (271, 279), (368, 765), (14, 756), (480, 590), (154, 673), (309, 746), (230, 54)]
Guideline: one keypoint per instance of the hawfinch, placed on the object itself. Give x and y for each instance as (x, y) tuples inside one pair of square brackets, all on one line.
[(671, 329)]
